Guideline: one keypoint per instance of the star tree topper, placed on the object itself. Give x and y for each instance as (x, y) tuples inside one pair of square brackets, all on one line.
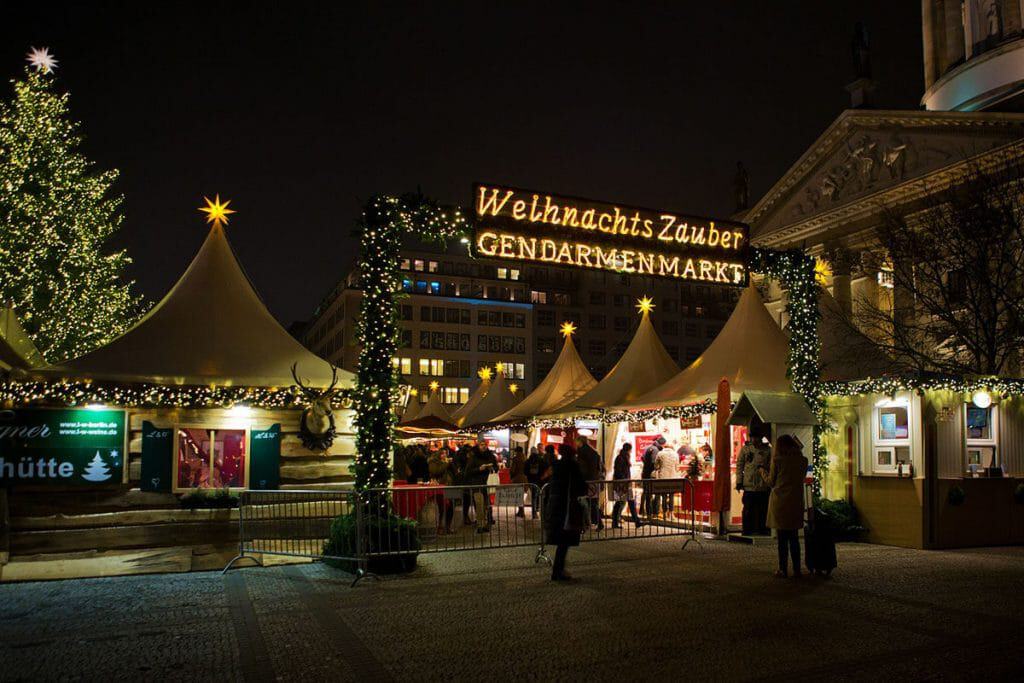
[(645, 304), (216, 212), (41, 59)]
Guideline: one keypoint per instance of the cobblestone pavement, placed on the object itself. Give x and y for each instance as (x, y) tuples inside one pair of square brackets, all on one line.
[(638, 609)]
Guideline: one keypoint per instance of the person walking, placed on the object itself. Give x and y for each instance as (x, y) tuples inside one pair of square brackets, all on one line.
[(622, 489), (593, 471), (647, 472), (563, 513), (517, 474), (481, 463), (666, 466), (536, 469), (460, 465), (440, 464), (786, 503)]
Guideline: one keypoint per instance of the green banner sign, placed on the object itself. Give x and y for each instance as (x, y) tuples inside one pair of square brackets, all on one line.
[(65, 447)]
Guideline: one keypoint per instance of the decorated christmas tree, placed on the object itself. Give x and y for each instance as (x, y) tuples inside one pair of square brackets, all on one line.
[(56, 213), (96, 470)]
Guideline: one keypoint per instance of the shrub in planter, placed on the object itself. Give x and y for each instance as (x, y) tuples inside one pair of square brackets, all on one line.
[(383, 533), (203, 499), (840, 518), (956, 495)]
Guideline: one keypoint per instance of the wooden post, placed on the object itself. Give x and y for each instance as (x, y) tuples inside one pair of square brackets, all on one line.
[(723, 452)]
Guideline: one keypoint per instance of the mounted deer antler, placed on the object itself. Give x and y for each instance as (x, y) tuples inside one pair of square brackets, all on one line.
[(317, 423)]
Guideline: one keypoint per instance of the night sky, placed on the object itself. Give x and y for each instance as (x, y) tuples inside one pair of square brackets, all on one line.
[(299, 113)]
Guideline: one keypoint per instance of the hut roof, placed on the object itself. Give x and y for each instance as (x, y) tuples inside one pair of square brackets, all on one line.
[(496, 401), (567, 380), (211, 328), (644, 365), (433, 417), (751, 351), (460, 413)]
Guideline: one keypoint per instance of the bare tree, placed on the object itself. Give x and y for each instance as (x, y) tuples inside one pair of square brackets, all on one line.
[(957, 269)]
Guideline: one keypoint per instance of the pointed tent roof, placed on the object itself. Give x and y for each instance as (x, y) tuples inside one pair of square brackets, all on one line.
[(211, 328), (459, 416), (411, 412), (644, 365), (433, 417), (751, 351), (497, 400), (567, 380), (16, 348)]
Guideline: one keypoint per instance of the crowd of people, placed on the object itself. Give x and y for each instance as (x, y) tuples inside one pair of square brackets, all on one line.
[(771, 482)]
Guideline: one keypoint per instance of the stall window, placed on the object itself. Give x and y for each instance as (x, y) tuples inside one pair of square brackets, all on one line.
[(982, 437), (211, 458), (892, 429)]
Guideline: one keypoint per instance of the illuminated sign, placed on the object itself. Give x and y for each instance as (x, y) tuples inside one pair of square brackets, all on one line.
[(523, 225)]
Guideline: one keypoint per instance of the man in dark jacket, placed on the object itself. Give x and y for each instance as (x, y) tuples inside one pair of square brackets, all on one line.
[(623, 492), (481, 463), (647, 506), (593, 470)]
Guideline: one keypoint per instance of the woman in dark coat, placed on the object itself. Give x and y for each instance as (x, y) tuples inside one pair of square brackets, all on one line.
[(564, 516)]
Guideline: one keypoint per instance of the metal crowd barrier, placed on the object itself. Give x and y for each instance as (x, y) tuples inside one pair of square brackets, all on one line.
[(636, 508), (451, 518), (296, 524)]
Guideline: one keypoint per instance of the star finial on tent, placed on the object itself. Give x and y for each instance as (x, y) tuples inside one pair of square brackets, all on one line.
[(413, 392), (513, 387), (41, 59), (499, 368), (645, 304), (216, 212), (434, 385), (484, 373), (568, 328)]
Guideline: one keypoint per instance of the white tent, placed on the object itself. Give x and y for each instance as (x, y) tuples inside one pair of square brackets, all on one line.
[(433, 417), (567, 380), (211, 328), (751, 351), (499, 399), (644, 365), (412, 410), (474, 399)]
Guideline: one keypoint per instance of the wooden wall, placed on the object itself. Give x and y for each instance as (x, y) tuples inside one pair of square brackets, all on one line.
[(1011, 436), (891, 509), (300, 467)]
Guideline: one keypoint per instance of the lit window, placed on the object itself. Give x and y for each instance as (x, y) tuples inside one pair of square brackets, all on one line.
[(418, 265), (404, 264), (982, 437), (892, 437), (502, 273), (437, 367), (406, 365), (424, 366), (538, 297), (435, 287), (513, 274), (211, 458), (433, 266), (463, 394), (451, 394)]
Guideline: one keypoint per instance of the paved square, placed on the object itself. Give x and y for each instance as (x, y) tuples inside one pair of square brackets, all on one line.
[(638, 610)]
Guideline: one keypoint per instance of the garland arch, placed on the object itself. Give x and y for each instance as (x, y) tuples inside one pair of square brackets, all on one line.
[(387, 220)]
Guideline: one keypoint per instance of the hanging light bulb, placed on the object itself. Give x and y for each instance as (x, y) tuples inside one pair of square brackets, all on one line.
[(981, 398)]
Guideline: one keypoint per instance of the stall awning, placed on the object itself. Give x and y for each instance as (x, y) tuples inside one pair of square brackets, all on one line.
[(772, 407)]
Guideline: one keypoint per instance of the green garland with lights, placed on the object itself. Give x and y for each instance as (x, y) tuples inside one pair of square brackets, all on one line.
[(81, 393), (707, 407), (1002, 386), (794, 270), (386, 221)]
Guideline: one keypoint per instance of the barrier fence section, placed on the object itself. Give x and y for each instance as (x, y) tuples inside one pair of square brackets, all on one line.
[(408, 520), (639, 508), (298, 524), (452, 518)]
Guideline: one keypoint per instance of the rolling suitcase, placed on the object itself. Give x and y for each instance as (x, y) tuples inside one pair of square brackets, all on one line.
[(819, 545)]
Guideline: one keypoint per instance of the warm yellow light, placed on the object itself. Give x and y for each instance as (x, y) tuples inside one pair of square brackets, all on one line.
[(484, 373), (499, 368), (434, 385), (822, 271), (216, 212), (513, 388), (413, 392), (645, 304), (568, 328)]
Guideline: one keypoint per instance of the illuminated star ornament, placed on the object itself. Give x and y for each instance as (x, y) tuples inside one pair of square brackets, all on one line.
[(568, 328), (216, 212), (645, 304), (41, 59), (434, 385), (484, 373)]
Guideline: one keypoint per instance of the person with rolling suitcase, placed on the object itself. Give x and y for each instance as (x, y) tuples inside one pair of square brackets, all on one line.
[(786, 502)]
